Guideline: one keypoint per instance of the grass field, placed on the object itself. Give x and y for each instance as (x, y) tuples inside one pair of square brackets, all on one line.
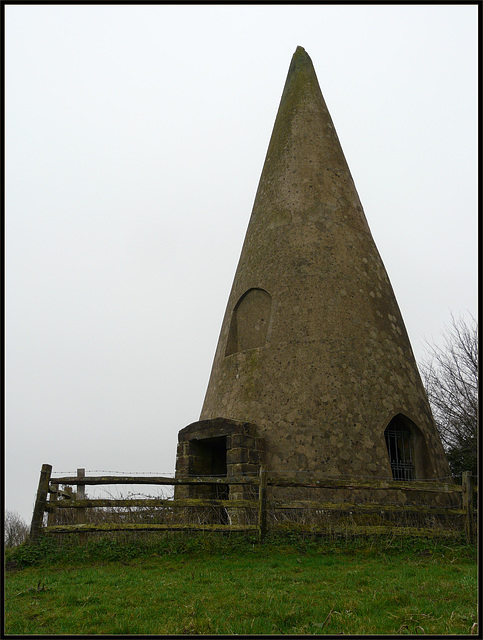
[(214, 584)]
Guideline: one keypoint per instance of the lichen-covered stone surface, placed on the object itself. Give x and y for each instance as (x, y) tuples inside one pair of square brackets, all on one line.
[(334, 364)]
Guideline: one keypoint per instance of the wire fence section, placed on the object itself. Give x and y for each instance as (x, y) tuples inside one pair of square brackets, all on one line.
[(253, 502)]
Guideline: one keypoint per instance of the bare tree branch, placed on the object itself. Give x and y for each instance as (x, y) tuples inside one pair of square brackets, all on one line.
[(16, 530), (450, 376)]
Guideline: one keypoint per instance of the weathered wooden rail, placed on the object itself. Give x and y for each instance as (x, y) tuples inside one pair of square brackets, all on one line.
[(48, 495)]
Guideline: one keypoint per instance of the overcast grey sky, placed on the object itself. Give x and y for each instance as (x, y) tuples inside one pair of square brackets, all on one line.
[(135, 139)]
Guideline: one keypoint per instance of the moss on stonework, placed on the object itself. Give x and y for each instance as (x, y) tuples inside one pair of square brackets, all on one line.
[(337, 353), (301, 75), (251, 366)]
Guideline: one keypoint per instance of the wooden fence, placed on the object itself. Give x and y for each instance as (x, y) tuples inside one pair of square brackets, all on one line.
[(49, 499)]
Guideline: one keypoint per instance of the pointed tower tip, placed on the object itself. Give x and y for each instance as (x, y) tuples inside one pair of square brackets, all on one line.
[(300, 59), (300, 53)]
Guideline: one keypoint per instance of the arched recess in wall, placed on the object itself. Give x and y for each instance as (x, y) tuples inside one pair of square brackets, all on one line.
[(407, 449), (249, 321)]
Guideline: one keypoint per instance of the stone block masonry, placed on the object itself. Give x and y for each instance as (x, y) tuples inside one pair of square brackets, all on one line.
[(314, 370)]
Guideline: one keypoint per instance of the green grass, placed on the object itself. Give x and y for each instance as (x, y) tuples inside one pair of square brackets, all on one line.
[(212, 584)]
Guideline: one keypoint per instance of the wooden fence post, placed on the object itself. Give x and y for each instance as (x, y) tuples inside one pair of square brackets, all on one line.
[(40, 503), (468, 504), (262, 510), (81, 513), (54, 495)]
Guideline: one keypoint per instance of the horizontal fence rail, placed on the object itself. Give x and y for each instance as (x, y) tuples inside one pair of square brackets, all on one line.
[(373, 485), (50, 499)]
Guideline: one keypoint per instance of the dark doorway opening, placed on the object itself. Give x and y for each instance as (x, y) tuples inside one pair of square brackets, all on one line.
[(208, 458), (399, 442)]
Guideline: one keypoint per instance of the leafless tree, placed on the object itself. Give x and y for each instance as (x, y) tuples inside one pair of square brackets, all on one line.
[(16, 530), (450, 375)]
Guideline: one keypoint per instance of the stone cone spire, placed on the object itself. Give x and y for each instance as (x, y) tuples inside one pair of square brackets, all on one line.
[(313, 348)]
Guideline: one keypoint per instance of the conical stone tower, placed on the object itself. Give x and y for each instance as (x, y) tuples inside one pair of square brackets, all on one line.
[(314, 370)]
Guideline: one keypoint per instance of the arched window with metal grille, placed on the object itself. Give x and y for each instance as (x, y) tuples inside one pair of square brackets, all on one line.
[(400, 448)]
